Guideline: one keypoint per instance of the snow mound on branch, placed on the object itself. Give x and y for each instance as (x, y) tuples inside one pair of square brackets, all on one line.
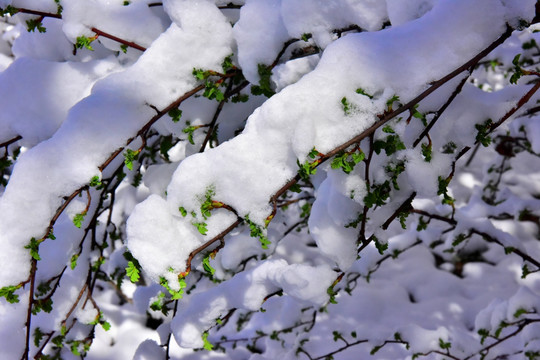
[(21, 105), (307, 115), (100, 124), (79, 17)]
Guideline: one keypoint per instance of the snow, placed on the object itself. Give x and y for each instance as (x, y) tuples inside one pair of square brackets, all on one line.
[(73, 109)]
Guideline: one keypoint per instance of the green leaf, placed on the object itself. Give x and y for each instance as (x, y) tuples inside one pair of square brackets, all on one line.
[(484, 333), (520, 312), (42, 304), (525, 271), (443, 190), (84, 42), (175, 114), (377, 195), (207, 345), (264, 87), (124, 48), (391, 101), (346, 161), (240, 98), (175, 294), (306, 36), (363, 92), (419, 115), (422, 225), (380, 246), (200, 74), (427, 152), (95, 181), (482, 136), (295, 188), (34, 24), (129, 157), (9, 293), (38, 336), (515, 61), (201, 227), (34, 248), (346, 106), (388, 129), (227, 64), (78, 219), (390, 145), (258, 232), (206, 265), (444, 345), (8, 10), (183, 211), (73, 261), (132, 271), (375, 349), (330, 291)]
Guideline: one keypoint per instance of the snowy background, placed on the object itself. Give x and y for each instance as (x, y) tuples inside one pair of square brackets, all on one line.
[(269, 179)]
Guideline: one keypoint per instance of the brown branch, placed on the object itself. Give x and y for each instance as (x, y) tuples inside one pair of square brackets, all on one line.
[(218, 237), (212, 124), (10, 141), (404, 207), (29, 310), (518, 252), (442, 109), (39, 13), (117, 39)]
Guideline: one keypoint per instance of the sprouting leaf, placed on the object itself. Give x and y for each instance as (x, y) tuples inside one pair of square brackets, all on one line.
[(346, 106), (483, 132), (8, 10), (306, 36), (443, 190), (258, 232), (380, 246), (331, 292), (183, 211), (201, 227), (73, 261), (34, 248), (38, 336), (34, 24), (207, 345), (377, 195), (264, 87), (427, 152), (227, 64), (347, 161), (175, 294), (132, 272), (129, 157), (390, 102), (363, 92), (84, 42), (95, 181), (207, 267), (444, 345), (124, 48), (78, 219), (8, 292), (520, 312), (390, 145)]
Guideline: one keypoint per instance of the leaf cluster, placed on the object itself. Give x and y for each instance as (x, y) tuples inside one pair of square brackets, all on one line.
[(346, 161), (265, 84)]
